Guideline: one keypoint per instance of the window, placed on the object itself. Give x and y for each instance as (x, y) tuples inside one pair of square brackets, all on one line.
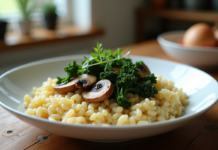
[(10, 11), (82, 15), (77, 12), (8, 7)]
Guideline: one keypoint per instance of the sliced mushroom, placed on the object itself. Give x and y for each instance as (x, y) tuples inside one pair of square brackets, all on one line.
[(85, 81), (101, 91), (144, 70), (82, 81)]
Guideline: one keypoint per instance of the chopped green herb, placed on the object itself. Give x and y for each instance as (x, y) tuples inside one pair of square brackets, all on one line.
[(72, 71), (128, 80), (100, 61)]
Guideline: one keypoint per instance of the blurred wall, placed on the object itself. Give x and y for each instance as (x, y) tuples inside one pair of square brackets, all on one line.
[(18, 57), (118, 19)]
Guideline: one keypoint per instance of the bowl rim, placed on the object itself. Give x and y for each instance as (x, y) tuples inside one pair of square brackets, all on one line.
[(162, 41), (178, 119)]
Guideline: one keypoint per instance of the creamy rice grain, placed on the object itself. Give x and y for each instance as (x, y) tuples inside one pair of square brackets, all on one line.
[(45, 102)]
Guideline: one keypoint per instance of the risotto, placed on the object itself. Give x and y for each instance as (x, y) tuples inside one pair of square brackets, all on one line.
[(71, 108)]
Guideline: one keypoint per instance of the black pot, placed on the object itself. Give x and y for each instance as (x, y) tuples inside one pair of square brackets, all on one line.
[(3, 25), (50, 21)]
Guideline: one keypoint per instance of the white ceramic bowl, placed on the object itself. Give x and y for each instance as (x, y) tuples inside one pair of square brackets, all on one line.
[(202, 57), (200, 87)]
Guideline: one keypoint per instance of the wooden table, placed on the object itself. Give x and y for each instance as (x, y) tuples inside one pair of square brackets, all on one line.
[(200, 134)]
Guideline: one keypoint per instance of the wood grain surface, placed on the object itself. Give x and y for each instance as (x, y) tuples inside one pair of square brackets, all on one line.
[(199, 134)]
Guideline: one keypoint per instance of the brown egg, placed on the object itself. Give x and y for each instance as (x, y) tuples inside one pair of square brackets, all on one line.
[(199, 34)]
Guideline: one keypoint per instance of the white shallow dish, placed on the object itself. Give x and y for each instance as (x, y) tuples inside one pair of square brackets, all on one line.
[(200, 87), (202, 57)]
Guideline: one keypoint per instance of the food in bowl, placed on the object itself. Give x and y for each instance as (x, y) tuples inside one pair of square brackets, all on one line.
[(199, 34), (138, 96)]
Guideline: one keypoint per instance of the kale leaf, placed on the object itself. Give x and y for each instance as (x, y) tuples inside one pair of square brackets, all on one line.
[(128, 80), (72, 70)]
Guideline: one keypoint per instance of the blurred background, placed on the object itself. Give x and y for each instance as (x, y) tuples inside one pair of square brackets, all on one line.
[(37, 29)]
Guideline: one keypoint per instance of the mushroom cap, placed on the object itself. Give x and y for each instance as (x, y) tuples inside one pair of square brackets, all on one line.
[(81, 81), (101, 91), (116, 69), (144, 70), (65, 87)]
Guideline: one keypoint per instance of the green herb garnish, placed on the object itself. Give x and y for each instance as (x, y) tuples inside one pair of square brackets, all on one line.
[(128, 80), (72, 71), (100, 61)]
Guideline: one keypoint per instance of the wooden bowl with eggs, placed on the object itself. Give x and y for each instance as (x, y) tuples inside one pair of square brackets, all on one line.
[(196, 46)]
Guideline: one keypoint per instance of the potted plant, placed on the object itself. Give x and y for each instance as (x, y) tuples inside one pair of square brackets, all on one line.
[(26, 8), (50, 16), (3, 26)]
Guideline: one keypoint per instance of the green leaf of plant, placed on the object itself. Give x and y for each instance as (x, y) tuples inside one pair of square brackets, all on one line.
[(128, 52), (119, 51), (107, 67), (110, 63), (86, 58), (96, 49), (85, 64), (93, 55), (98, 45)]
